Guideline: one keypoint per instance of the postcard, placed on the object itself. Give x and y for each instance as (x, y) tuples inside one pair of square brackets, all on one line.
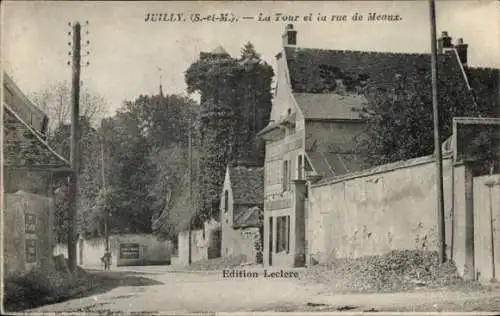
[(264, 157)]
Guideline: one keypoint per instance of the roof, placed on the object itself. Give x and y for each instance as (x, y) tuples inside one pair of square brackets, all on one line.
[(343, 74), (250, 217), (329, 105), (217, 53), (330, 164), (247, 185), (24, 108), (485, 83), (219, 50), (320, 70), (25, 147)]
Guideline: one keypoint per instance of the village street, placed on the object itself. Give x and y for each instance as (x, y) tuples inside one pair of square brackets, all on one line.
[(160, 289)]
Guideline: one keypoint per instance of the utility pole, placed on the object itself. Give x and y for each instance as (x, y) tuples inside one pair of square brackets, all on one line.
[(103, 176), (75, 142), (190, 158), (437, 137)]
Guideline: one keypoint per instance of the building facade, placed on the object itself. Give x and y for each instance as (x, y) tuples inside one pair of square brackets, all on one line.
[(241, 212), (315, 125)]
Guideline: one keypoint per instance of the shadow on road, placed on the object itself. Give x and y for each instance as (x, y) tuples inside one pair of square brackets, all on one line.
[(95, 282), (104, 281)]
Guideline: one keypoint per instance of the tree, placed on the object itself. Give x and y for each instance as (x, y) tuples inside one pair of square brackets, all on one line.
[(55, 101), (89, 176), (235, 106), (248, 52), (163, 120), (399, 121), (129, 174)]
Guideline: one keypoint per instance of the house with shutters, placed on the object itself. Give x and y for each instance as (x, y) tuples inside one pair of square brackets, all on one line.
[(241, 210), (314, 124)]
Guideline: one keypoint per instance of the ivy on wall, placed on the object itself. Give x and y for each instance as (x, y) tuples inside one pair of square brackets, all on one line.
[(235, 106)]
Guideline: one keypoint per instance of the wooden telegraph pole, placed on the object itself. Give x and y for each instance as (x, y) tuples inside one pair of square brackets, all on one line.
[(75, 150), (190, 158), (437, 137)]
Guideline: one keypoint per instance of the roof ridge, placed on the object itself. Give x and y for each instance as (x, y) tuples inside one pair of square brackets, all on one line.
[(359, 51)]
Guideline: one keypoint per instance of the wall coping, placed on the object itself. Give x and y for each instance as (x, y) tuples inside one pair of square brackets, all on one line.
[(380, 169)]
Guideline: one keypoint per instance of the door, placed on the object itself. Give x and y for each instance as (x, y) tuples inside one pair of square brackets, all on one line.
[(487, 227), (270, 241)]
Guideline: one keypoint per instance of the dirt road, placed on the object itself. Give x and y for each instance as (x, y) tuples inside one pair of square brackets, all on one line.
[(160, 289)]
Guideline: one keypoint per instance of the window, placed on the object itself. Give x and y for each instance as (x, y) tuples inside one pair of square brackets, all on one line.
[(299, 167), (226, 201), (286, 180), (283, 234)]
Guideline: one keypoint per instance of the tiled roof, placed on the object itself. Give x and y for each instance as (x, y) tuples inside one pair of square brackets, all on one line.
[(24, 147), (329, 164), (329, 105), (247, 185), (320, 70), (22, 106), (250, 217)]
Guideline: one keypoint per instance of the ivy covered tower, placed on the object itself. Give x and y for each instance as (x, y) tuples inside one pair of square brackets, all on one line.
[(232, 112), (254, 106)]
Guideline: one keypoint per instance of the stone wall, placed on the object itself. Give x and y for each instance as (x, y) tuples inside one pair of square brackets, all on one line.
[(199, 247), (242, 242), (142, 249), (27, 236), (382, 209)]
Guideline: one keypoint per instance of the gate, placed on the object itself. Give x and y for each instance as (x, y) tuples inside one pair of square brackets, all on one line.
[(487, 227)]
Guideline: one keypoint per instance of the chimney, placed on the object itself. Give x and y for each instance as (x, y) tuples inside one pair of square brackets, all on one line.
[(462, 51), (444, 42), (290, 36)]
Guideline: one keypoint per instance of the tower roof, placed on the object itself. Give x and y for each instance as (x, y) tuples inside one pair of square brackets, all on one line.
[(219, 50)]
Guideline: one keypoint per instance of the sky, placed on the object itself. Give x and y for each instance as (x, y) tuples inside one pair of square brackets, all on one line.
[(129, 56)]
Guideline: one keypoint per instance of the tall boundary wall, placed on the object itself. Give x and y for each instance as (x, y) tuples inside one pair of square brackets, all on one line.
[(389, 207)]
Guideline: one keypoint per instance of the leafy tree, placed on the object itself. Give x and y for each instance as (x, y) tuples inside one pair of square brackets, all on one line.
[(400, 120), (163, 120), (248, 52), (89, 179), (129, 174)]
